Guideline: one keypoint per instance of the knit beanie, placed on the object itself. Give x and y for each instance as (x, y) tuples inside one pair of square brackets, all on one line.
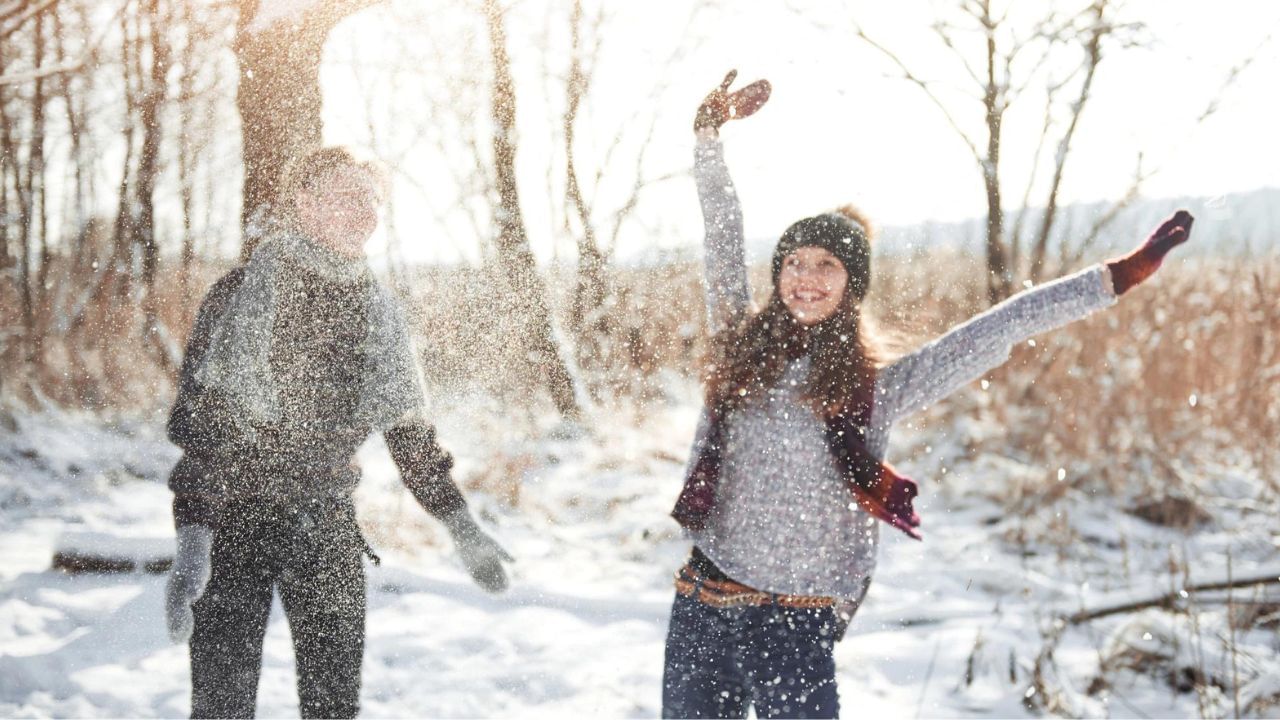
[(839, 235)]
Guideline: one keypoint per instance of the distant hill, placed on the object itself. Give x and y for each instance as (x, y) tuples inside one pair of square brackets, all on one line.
[(1247, 222)]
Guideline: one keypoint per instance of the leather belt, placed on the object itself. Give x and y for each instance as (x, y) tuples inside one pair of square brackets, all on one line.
[(727, 593)]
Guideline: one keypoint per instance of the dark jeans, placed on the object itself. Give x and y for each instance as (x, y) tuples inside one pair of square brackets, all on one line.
[(312, 552), (719, 661)]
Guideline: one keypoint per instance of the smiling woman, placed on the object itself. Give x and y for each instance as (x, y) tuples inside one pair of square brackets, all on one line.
[(818, 258), (787, 484)]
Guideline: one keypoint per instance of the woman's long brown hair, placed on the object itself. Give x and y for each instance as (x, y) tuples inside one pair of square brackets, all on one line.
[(750, 358)]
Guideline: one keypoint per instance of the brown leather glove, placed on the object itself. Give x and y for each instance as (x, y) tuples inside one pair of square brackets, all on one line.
[(721, 106)]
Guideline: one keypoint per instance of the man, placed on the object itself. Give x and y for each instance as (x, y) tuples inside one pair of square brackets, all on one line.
[(295, 358)]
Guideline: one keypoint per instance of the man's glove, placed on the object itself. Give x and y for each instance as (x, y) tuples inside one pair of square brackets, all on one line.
[(721, 106), (1138, 265), (187, 579), (480, 553)]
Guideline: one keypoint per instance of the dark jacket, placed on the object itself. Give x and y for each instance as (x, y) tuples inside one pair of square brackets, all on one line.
[(317, 361)]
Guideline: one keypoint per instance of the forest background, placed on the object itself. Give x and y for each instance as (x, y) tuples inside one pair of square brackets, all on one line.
[(544, 231)]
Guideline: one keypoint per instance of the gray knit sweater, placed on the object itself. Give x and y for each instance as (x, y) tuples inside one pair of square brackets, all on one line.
[(783, 520)]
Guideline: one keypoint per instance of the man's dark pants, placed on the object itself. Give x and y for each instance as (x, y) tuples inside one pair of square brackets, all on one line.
[(313, 553)]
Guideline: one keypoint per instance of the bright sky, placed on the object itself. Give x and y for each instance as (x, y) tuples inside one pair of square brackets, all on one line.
[(837, 128)]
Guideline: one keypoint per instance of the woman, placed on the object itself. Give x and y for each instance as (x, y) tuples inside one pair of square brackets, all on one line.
[(295, 358), (787, 485)]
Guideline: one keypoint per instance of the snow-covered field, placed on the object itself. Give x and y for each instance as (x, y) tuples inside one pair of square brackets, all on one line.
[(953, 626)]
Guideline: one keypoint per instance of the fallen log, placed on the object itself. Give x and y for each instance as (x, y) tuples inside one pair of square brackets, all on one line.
[(95, 553), (1131, 602)]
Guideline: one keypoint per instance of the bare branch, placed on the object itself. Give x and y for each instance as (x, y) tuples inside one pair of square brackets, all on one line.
[(71, 66), (943, 31), (1232, 76), (30, 75), (1093, 57), (1140, 176), (1269, 576), (1015, 235), (20, 14), (928, 91)]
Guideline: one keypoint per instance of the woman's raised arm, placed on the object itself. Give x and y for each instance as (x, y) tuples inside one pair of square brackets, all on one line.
[(727, 292)]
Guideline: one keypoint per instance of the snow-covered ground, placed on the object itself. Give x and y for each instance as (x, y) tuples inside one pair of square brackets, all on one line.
[(952, 626)]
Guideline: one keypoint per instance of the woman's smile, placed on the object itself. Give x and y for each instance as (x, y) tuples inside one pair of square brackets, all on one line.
[(812, 284)]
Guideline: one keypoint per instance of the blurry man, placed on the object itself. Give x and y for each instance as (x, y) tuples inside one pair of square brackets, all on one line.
[(295, 358)]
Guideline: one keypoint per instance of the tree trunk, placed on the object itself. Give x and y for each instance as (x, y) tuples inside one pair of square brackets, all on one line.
[(148, 160), (279, 101), (587, 315), (121, 262), (26, 198), (36, 170), (9, 174), (186, 180), (4, 185), (73, 107), (528, 293), (999, 279), (148, 166)]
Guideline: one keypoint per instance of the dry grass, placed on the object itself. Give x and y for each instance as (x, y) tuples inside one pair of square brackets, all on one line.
[(1180, 377), (1183, 373), (654, 320), (96, 343)]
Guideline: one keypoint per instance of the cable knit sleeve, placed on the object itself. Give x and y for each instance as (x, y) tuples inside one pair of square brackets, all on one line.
[(727, 293), (963, 354)]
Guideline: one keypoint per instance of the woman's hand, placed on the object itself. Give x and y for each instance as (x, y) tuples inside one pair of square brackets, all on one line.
[(1139, 265), (721, 106)]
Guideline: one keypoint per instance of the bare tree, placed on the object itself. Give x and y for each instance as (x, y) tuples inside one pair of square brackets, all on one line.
[(528, 292), (35, 185), (1094, 35), (586, 315), (28, 177), (186, 161), (595, 223), (121, 231), (74, 101), (1006, 64), (148, 160)]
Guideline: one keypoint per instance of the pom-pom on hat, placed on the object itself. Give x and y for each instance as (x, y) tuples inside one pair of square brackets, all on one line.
[(843, 233)]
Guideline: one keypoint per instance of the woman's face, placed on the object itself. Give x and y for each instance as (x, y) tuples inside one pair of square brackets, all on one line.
[(812, 283), (340, 210)]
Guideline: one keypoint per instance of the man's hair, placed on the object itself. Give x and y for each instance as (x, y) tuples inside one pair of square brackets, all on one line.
[(312, 168)]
